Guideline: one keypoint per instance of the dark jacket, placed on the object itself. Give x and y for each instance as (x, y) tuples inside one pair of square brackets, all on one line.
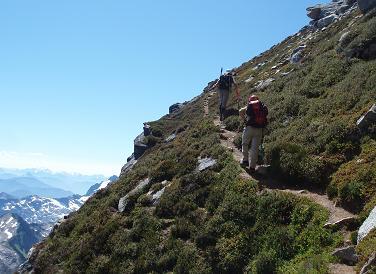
[(251, 115)]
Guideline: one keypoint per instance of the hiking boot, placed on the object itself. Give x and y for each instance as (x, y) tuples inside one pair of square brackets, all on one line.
[(244, 164)]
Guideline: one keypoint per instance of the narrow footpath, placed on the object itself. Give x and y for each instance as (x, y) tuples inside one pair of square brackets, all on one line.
[(337, 216)]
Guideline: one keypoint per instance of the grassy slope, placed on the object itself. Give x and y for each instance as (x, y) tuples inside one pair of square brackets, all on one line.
[(217, 222)]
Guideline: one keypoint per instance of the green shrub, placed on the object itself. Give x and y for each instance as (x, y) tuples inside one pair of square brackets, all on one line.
[(238, 141), (232, 123), (265, 262), (165, 170)]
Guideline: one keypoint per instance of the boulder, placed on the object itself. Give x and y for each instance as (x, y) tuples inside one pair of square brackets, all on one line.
[(368, 225), (156, 196), (263, 84), (326, 21), (346, 254), (124, 201), (367, 119), (366, 5), (147, 129), (131, 161), (171, 138), (139, 146), (314, 12), (250, 79), (296, 57), (205, 163), (368, 266)]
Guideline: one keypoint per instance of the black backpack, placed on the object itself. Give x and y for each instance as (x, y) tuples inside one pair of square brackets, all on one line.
[(225, 81)]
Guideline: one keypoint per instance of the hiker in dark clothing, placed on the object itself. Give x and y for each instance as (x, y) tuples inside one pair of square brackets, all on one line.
[(224, 85), (256, 120)]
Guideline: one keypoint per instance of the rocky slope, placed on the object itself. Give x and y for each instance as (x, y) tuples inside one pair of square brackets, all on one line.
[(16, 238), (182, 203)]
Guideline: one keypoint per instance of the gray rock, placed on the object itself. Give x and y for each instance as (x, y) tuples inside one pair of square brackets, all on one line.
[(346, 254), (368, 266), (250, 79), (326, 21), (205, 163), (156, 197), (341, 223), (171, 138), (283, 74), (263, 84), (147, 129), (139, 146), (128, 166), (368, 225), (368, 119), (296, 58), (366, 5), (124, 201), (314, 12)]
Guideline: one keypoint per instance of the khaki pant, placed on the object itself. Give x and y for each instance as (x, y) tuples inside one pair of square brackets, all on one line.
[(251, 141)]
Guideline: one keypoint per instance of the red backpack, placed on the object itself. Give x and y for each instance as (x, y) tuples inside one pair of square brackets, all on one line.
[(260, 114)]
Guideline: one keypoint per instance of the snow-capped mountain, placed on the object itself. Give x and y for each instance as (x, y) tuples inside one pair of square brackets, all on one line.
[(16, 239), (40, 210), (101, 185), (26, 221)]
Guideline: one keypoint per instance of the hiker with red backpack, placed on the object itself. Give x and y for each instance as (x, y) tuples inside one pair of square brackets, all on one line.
[(224, 84), (256, 120)]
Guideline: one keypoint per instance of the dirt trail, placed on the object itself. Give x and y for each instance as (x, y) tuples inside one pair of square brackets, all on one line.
[(227, 137)]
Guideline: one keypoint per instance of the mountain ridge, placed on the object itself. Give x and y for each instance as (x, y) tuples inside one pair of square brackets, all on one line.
[(169, 213)]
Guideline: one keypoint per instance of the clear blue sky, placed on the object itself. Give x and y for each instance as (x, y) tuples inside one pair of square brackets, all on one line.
[(78, 77)]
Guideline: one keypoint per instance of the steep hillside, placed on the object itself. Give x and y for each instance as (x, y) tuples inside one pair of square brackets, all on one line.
[(183, 204)]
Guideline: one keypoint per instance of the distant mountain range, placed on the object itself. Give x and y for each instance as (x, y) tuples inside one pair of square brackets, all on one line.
[(25, 221), (74, 183), (20, 187)]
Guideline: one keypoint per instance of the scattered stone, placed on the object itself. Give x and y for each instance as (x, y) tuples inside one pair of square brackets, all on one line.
[(156, 197), (368, 266), (263, 84), (260, 65), (283, 74), (368, 225), (368, 119), (346, 222), (302, 191), (250, 79), (326, 21), (366, 5), (205, 163), (124, 201), (171, 138), (346, 254)]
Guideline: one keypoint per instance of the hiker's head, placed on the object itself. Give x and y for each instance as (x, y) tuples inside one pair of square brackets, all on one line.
[(253, 99)]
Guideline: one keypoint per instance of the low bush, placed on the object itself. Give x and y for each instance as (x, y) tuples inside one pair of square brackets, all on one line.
[(232, 123)]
